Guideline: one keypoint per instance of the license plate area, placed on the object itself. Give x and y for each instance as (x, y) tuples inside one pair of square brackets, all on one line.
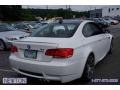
[(30, 54)]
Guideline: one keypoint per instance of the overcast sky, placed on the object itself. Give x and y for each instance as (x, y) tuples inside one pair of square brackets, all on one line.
[(73, 7)]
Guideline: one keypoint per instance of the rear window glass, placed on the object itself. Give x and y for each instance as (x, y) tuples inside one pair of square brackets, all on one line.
[(4, 28), (63, 30), (20, 26)]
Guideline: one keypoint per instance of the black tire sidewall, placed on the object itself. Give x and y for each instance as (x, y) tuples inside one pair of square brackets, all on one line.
[(111, 47), (85, 76)]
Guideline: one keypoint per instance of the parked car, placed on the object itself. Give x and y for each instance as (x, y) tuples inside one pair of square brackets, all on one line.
[(112, 21), (101, 23), (39, 25), (117, 18), (25, 27), (107, 23), (31, 24), (62, 51), (8, 34), (115, 22)]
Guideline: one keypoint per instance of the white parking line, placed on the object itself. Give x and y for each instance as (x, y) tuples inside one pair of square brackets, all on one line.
[(5, 70)]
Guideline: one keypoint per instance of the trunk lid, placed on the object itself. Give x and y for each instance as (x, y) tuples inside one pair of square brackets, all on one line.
[(36, 45)]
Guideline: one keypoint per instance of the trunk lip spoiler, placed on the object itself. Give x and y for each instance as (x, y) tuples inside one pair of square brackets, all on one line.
[(18, 42)]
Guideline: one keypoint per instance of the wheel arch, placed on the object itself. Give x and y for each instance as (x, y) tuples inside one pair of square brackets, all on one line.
[(88, 51), (3, 42)]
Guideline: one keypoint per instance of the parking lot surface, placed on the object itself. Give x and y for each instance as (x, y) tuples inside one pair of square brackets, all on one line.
[(106, 70)]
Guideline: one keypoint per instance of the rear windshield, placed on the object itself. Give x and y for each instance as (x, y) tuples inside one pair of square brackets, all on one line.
[(63, 30), (20, 26), (5, 27)]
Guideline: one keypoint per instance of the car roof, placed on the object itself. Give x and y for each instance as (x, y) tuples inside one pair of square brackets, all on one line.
[(69, 21)]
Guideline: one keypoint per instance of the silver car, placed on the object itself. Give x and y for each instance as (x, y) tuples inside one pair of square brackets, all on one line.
[(8, 34), (25, 27)]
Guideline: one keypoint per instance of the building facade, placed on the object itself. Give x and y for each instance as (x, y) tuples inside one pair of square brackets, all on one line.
[(96, 13), (107, 11), (111, 11)]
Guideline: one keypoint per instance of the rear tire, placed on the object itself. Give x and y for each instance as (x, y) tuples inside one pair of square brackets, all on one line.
[(2, 45), (89, 68), (111, 48), (112, 23)]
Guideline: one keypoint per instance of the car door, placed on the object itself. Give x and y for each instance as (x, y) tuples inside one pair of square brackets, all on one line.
[(96, 39)]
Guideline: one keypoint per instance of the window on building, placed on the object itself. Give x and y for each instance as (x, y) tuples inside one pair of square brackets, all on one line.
[(112, 9), (117, 8), (109, 10)]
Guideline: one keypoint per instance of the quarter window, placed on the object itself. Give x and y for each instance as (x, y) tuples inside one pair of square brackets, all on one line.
[(91, 29)]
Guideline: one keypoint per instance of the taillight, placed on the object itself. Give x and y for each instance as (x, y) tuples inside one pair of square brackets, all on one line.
[(14, 49), (60, 52)]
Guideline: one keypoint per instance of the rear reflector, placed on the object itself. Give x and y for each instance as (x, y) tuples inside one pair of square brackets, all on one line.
[(14, 49), (60, 52)]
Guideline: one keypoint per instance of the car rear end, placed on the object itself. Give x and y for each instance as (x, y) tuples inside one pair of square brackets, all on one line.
[(46, 58), (116, 22)]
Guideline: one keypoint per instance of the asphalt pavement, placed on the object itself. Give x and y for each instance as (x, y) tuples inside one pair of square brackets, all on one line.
[(107, 71)]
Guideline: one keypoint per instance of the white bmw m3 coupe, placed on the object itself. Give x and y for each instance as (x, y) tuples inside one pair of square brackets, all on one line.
[(61, 51)]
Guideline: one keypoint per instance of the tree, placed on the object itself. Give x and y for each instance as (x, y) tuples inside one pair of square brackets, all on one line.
[(10, 12)]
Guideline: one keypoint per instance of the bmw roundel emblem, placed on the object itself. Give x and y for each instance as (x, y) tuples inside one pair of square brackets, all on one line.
[(28, 47)]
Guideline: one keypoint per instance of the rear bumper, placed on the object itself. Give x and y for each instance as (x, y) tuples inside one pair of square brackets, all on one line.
[(61, 78), (63, 72)]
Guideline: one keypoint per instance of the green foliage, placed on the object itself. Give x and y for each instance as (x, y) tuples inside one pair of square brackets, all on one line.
[(10, 12), (16, 13), (27, 16), (49, 13)]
